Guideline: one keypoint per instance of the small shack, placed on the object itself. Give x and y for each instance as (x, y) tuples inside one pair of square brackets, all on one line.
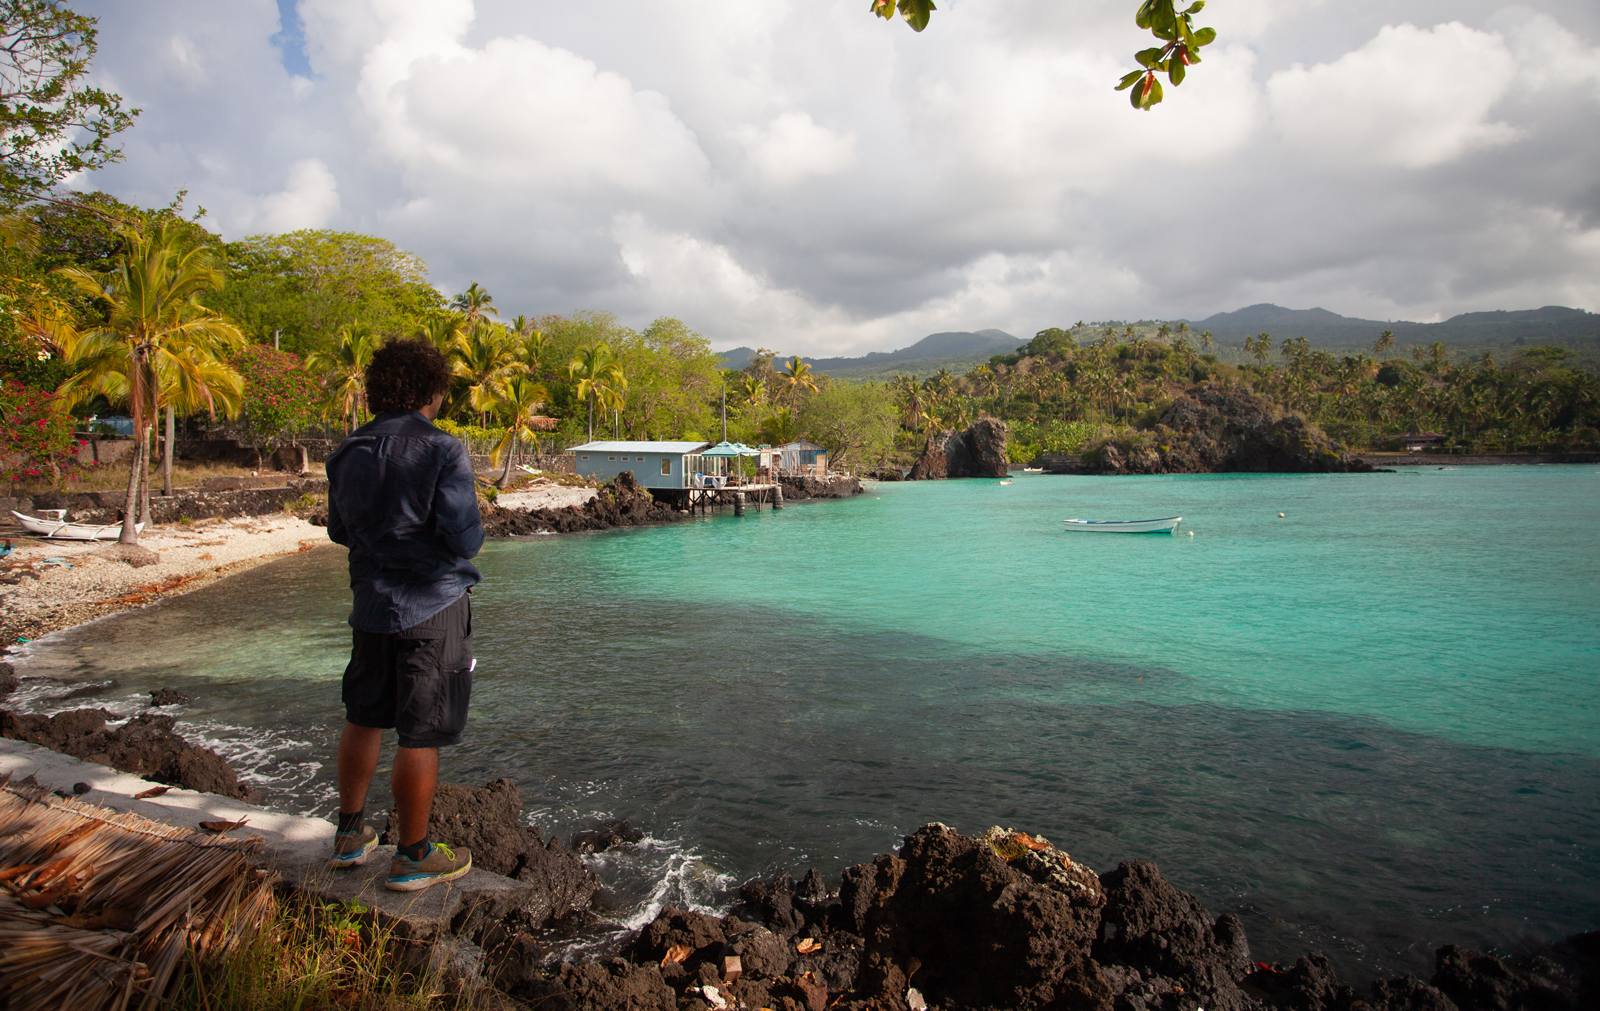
[(802, 457), (1417, 442), (655, 465)]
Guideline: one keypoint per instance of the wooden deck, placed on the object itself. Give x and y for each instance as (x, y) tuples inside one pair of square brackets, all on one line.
[(738, 497)]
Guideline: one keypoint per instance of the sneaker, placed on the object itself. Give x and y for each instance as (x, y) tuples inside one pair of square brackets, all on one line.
[(350, 849), (441, 864)]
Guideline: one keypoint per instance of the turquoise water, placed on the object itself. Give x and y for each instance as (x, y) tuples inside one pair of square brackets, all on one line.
[(1368, 726)]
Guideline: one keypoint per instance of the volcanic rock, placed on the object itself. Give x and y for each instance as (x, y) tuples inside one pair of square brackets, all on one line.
[(623, 503), (991, 922), (605, 836), (980, 451), (167, 697), (8, 679), (615, 985), (1222, 429), (144, 746), (488, 821), (1151, 926), (797, 487)]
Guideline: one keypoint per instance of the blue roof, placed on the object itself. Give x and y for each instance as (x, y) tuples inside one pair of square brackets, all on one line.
[(679, 448)]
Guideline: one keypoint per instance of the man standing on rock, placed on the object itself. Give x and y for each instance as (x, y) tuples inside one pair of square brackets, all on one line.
[(401, 496)]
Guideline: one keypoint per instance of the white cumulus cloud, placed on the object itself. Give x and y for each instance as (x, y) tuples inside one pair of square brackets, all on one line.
[(793, 147), (1411, 97)]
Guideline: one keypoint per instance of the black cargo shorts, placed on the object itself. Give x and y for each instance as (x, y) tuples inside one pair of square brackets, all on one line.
[(417, 681)]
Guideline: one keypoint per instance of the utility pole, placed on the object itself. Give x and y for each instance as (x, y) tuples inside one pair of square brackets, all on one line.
[(275, 333), (724, 410)]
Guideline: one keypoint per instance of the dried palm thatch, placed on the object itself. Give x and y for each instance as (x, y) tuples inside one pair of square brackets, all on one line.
[(99, 909)]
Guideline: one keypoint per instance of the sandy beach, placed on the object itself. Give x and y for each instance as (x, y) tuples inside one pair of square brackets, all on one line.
[(46, 586)]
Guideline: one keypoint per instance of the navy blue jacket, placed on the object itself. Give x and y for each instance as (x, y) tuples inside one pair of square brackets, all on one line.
[(401, 496)]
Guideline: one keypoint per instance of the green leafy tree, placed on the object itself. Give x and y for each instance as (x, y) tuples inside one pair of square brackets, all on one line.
[(855, 422), (673, 380), (52, 124), (1179, 49), (302, 287)]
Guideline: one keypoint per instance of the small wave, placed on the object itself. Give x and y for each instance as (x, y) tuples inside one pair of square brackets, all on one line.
[(647, 877)]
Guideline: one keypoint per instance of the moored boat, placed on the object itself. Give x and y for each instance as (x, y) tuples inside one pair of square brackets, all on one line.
[(57, 528), (1165, 525)]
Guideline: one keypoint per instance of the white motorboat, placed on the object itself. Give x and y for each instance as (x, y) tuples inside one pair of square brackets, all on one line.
[(1162, 526), (54, 526)]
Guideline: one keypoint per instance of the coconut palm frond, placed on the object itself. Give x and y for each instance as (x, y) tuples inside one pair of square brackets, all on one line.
[(98, 909)]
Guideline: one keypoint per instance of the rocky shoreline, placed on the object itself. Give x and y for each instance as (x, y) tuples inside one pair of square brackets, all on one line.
[(950, 921)]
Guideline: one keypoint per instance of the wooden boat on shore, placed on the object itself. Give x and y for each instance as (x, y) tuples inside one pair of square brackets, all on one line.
[(56, 528), (1165, 525)]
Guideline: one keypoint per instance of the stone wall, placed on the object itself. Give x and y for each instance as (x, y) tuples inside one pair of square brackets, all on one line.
[(106, 506)]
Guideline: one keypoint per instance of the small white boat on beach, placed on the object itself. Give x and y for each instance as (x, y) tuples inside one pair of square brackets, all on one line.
[(1161, 526), (54, 526), (1006, 481)]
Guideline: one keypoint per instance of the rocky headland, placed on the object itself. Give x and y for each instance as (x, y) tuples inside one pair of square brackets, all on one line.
[(1220, 429), (977, 451)]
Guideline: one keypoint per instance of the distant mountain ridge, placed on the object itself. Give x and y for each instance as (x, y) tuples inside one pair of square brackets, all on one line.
[(1551, 324), (951, 349), (960, 350)]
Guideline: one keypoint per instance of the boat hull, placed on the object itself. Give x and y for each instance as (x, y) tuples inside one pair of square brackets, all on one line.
[(1166, 525), (60, 530)]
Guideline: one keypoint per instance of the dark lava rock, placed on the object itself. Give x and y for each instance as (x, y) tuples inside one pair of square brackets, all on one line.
[(1151, 926), (488, 821), (1222, 429), (1407, 993), (604, 836), (81, 788), (8, 679), (87, 690), (614, 985), (144, 746), (167, 697), (623, 503), (1479, 982), (932, 465), (980, 451), (703, 935), (988, 922), (798, 487)]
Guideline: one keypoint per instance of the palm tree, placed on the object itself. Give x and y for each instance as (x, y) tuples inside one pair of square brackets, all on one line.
[(1206, 340), (209, 385), (796, 375), (909, 394), (474, 303), (518, 400), (1384, 342), (156, 335), (780, 428), (485, 354), (753, 390), (343, 369), (441, 329), (599, 377), (1259, 346)]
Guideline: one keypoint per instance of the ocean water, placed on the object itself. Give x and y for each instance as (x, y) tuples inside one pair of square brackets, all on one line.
[(1369, 726)]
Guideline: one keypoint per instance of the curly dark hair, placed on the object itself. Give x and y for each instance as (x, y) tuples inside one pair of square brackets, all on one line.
[(404, 375)]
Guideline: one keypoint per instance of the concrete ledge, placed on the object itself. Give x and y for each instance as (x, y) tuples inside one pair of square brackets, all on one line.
[(297, 847)]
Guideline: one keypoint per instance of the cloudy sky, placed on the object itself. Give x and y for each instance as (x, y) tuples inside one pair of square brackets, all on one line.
[(800, 175)]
